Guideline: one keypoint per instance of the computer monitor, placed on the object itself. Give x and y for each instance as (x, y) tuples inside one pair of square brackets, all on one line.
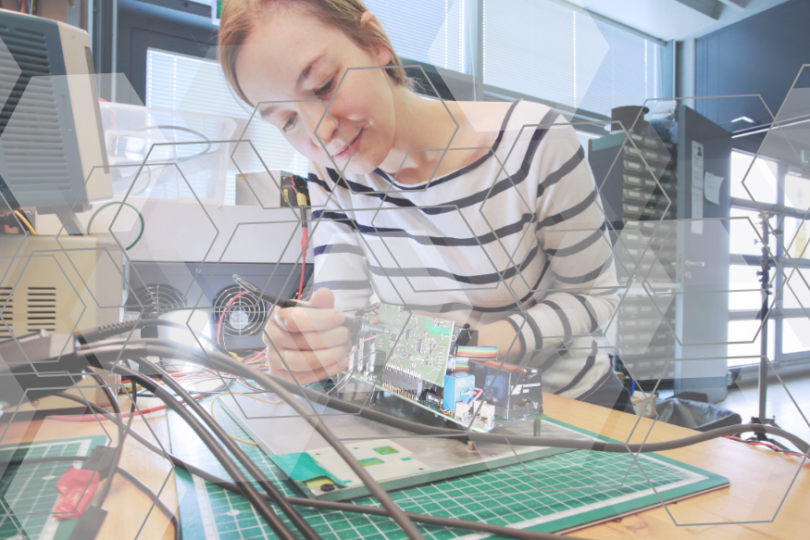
[(52, 151)]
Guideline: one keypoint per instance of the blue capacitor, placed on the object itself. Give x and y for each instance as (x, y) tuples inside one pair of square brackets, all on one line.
[(457, 387)]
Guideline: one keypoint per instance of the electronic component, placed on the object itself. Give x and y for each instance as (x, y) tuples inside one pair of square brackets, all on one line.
[(294, 191), (515, 391), (415, 343), (462, 409), (439, 366), (402, 381), (482, 415), (432, 398), (483, 410), (457, 387)]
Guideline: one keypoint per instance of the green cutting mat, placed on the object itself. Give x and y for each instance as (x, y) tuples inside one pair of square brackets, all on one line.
[(28, 492), (556, 493)]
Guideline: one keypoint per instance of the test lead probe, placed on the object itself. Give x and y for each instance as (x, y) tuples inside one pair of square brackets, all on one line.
[(357, 325)]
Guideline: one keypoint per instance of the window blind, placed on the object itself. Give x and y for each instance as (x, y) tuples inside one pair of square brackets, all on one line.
[(431, 31), (544, 49), (182, 83)]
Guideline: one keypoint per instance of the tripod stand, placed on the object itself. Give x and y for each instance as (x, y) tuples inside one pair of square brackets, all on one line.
[(764, 273)]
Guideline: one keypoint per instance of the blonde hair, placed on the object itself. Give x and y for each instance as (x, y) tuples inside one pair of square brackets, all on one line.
[(239, 16)]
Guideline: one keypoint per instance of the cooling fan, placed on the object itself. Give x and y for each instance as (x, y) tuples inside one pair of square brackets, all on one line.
[(155, 299), (245, 314)]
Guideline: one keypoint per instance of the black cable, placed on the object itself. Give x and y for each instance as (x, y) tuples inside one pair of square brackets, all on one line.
[(107, 331), (143, 488), (347, 507), (396, 513), (311, 503), (427, 519), (226, 363), (272, 491), (128, 476), (122, 435), (246, 488)]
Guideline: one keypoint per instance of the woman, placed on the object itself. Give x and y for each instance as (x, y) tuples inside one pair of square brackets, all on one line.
[(503, 230)]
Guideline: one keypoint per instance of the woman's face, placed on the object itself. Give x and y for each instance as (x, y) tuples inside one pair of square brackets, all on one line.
[(293, 66)]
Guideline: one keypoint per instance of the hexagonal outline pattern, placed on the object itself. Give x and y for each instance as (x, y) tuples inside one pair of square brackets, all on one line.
[(261, 159), (655, 420), (648, 288), (297, 220), (320, 415), (272, 308), (501, 280), (23, 238), (24, 399), (599, 185), (597, 196), (794, 265), (598, 188), (626, 443), (4, 51), (620, 152), (28, 258), (385, 273), (316, 413), (89, 290), (774, 122), (402, 271), (519, 303), (213, 368), (418, 67), (795, 271), (364, 240), (196, 198)]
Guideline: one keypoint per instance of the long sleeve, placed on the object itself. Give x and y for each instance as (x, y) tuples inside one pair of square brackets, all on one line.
[(340, 261), (572, 232)]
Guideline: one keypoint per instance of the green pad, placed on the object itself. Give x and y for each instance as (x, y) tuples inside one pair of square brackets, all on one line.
[(302, 467), (441, 330)]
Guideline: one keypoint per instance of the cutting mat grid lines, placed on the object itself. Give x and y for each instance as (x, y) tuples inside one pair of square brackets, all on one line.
[(550, 494), (28, 492)]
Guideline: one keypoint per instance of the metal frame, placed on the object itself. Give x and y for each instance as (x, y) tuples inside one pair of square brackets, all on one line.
[(780, 361)]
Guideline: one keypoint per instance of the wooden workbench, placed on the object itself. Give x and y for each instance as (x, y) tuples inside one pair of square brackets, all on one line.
[(759, 480)]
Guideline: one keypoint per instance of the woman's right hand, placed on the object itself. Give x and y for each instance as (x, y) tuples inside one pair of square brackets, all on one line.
[(308, 344)]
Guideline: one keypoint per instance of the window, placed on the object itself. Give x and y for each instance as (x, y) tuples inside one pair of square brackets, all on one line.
[(788, 326), (182, 83), (797, 191), (544, 49), (430, 31), (760, 179), (534, 49)]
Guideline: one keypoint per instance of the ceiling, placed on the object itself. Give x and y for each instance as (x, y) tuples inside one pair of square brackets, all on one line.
[(676, 19)]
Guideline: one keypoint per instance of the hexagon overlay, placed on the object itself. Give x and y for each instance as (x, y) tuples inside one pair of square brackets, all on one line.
[(761, 496), (276, 154), (24, 514), (28, 306), (380, 180)]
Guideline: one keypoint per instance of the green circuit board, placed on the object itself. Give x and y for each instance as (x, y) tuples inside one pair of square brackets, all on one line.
[(415, 343)]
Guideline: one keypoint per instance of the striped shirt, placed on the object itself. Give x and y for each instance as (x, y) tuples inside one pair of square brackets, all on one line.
[(518, 235)]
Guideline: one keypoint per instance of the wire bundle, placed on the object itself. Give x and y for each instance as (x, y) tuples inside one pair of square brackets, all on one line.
[(465, 353), (100, 350)]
